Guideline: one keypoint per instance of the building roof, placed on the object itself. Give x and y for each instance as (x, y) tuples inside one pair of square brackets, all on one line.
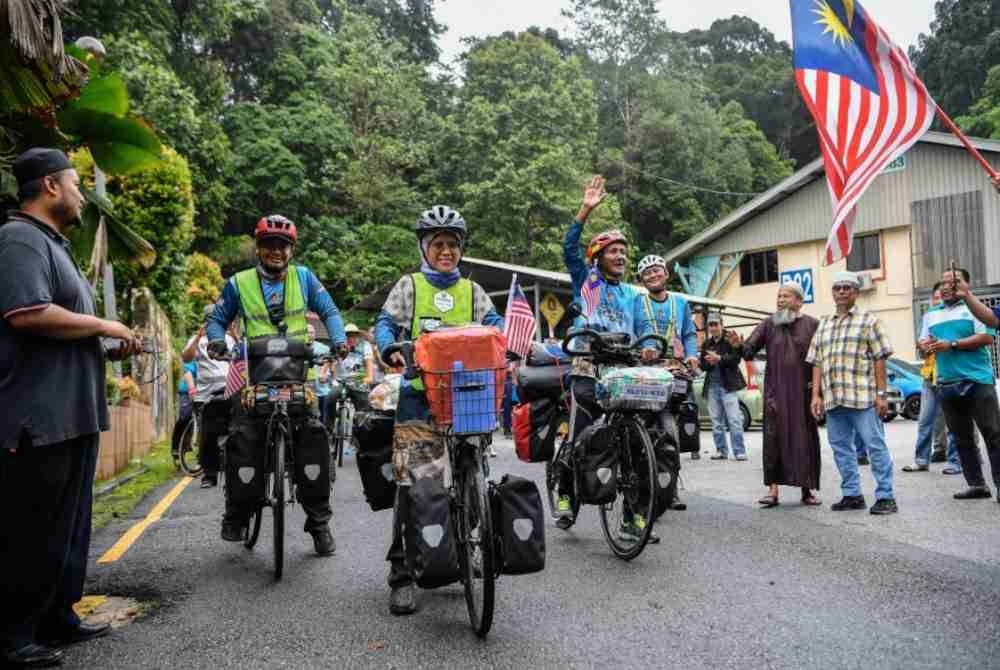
[(790, 185)]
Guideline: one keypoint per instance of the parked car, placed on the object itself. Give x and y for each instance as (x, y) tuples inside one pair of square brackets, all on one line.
[(906, 377)]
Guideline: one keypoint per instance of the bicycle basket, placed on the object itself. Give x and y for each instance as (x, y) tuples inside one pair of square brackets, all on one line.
[(641, 388), (466, 401)]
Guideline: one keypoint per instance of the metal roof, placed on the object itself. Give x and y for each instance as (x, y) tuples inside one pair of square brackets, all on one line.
[(789, 186)]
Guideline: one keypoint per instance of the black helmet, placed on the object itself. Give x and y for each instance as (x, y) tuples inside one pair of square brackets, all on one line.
[(438, 219)]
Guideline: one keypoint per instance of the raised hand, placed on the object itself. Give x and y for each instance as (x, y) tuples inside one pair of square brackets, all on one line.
[(593, 195)]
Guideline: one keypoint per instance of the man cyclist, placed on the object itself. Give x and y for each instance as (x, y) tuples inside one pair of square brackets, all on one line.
[(437, 295), (607, 304), (662, 313), (272, 294)]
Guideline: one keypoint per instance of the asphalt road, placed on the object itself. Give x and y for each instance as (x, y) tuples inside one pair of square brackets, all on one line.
[(731, 586)]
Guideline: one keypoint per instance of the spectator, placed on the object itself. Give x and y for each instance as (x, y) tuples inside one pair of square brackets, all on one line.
[(359, 364), (721, 363), (185, 404), (53, 393), (847, 347), (960, 334), (791, 440), (931, 415), (213, 408)]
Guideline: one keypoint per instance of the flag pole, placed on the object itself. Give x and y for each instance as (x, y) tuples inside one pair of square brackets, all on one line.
[(993, 174), (510, 299)]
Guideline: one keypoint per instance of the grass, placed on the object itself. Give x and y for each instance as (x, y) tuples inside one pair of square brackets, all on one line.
[(120, 502)]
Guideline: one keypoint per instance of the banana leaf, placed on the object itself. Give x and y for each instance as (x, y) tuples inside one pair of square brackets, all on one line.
[(103, 94), (119, 144), (124, 244)]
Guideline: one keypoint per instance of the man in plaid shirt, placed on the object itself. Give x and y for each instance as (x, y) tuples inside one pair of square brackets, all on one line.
[(847, 345)]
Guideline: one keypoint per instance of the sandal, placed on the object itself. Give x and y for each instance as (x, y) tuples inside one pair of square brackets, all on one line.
[(811, 500), (768, 501)]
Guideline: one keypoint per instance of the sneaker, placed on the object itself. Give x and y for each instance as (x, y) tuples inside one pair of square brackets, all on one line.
[(741, 457), (402, 600), (720, 457), (863, 460), (972, 493), (493, 451), (849, 502), (208, 482), (233, 532), (951, 470), (631, 531), (916, 467), (695, 455), (884, 506), (323, 542), (564, 512)]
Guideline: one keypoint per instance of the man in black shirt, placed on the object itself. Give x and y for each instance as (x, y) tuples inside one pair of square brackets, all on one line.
[(52, 390)]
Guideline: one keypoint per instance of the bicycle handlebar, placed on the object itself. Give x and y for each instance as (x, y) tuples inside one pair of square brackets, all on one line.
[(604, 344)]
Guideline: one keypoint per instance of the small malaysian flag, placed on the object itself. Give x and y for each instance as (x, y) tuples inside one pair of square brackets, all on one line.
[(236, 378), (519, 324), (591, 291)]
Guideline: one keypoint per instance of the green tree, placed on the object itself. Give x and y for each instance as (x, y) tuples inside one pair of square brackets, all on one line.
[(983, 119), (964, 43)]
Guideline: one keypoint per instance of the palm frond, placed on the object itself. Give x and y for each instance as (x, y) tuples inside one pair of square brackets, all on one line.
[(35, 30)]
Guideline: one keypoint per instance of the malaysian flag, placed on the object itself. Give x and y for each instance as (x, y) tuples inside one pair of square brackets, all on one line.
[(591, 291), (236, 378), (867, 101), (519, 324)]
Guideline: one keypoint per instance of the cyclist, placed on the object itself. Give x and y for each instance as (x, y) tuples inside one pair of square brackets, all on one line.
[(213, 409), (271, 294), (607, 304), (437, 295), (668, 315)]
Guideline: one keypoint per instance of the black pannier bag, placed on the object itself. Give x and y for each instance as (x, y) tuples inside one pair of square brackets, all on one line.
[(518, 525), (667, 469), (312, 461), (688, 430), (546, 381), (374, 433), (277, 359), (536, 428), (246, 470), (430, 539), (597, 464)]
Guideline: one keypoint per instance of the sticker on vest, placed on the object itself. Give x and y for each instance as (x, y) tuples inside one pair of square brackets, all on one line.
[(427, 324), (444, 301)]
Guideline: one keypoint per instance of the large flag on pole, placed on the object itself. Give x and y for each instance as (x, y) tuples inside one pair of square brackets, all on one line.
[(867, 101), (519, 321)]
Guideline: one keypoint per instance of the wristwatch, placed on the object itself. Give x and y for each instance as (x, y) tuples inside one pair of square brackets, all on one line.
[(953, 344)]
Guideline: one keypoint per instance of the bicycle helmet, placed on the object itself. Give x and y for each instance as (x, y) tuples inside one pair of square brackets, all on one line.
[(441, 218), (651, 261), (601, 241), (275, 225)]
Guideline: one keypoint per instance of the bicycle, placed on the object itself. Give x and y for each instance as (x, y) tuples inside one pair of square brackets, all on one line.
[(636, 471), (281, 402), (188, 456), (347, 395), (467, 427)]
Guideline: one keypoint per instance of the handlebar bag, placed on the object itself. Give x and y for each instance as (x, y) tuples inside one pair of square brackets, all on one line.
[(429, 537), (373, 431), (639, 388), (688, 430), (535, 427), (546, 381), (277, 359), (596, 464), (519, 526)]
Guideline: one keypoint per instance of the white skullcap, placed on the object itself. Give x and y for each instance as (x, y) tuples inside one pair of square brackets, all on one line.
[(795, 288), (845, 277)]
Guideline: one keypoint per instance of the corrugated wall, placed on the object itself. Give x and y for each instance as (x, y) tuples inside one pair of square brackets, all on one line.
[(931, 171)]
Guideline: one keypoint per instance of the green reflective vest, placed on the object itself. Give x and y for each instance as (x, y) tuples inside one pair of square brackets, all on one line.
[(257, 322), (434, 306)]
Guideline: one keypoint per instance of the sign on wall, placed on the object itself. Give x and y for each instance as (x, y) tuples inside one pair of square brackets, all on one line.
[(803, 278)]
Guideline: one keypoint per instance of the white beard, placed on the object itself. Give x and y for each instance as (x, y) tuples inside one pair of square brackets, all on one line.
[(783, 317)]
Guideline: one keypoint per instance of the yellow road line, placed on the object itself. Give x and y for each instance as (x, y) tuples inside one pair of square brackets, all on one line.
[(133, 533)]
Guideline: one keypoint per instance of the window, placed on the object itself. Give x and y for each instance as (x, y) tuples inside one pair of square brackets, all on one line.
[(866, 254), (759, 267)]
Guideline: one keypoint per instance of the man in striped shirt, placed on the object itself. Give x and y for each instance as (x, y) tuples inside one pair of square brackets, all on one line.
[(847, 346)]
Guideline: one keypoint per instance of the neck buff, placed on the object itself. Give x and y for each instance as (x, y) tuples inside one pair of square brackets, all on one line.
[(437, 279), (267, 274)]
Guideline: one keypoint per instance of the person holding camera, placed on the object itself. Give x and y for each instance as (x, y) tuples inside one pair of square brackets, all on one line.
[(721, 362)]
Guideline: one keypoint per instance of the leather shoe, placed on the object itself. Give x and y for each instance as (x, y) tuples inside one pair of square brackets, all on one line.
[(32, 656), (402, 600), (83, 632), (849, 503), (233, 532), (973, 492), (323, 542)]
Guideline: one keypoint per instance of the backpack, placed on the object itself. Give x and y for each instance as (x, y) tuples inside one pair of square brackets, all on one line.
[(596, 457), (518, 526), (535, 427)]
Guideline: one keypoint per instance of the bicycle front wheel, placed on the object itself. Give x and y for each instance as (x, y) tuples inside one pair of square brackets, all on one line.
[(278, 504), (346, 431), (188, 449), (627, 521), (476, 545)]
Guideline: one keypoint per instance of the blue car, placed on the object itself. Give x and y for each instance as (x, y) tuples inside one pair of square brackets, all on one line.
[(906, 377)]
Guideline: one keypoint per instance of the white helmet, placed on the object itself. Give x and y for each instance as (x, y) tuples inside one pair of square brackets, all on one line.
[(651, 261)]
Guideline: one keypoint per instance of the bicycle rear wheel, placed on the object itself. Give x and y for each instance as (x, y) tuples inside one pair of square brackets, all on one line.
[(346, 430), (476, 545), (628, 520), (278, 504), (188, 449)]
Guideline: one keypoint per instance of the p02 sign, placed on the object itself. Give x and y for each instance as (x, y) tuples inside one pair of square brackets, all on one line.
[(803, 278)]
